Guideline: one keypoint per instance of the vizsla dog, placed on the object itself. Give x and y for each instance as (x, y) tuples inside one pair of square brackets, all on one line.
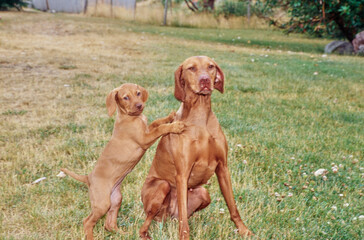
[(130, 139), (184, 162)]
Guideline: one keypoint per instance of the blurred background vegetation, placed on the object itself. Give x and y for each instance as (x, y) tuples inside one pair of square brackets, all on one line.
[(319, 18)]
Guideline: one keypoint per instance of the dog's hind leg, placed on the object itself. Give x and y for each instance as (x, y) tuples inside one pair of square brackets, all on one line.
[(111, 217), (154, 194), (100, 204)]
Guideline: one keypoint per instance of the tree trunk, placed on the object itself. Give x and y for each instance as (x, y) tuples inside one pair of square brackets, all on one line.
[(111, 6), (47, 4), (85, 7), (165, 12), (349, 32), (248, 11)]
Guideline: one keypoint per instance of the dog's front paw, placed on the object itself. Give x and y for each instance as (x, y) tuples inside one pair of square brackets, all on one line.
[(245, 232), (178, 127)]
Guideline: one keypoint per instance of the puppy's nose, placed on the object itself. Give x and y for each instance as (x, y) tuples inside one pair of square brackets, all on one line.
[(139, 106)]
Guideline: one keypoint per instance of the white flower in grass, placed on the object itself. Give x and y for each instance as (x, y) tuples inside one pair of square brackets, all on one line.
[(221, 211), (361, 217), (355, 218), (61, 174), (324, 178), (315, 73), (341, 195), (320, 172), (277, 194), (290, 194), (334, 208), (346, 204), (245, 162), (297, 219), (239, 145)]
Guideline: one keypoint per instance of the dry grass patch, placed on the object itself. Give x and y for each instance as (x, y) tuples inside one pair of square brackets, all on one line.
[(148, 12)]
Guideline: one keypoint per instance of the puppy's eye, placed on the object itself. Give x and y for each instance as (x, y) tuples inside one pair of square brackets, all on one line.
[(211, 66), (138, 93), (126, 98), (192, 68)]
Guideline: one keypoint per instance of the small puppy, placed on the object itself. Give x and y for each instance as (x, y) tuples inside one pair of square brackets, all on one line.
[(130, 139)]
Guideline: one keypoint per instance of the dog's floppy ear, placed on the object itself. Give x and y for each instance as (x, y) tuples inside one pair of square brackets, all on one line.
[(144, 94), (111, 102), (179, 84), (219, 79)]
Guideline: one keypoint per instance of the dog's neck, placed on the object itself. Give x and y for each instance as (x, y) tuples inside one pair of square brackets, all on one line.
[(196, 109)]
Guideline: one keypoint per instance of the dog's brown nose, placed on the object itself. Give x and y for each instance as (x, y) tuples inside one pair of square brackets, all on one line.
[(139, 106), (205, 79), (205, 82)]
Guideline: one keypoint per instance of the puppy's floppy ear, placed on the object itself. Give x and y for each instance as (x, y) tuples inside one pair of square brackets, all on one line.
[(111, 102), (179, 84), (219, 79), (144, 94)]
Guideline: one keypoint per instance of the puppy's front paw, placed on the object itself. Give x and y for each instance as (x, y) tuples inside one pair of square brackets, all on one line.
[(178, 127), (171, 116)]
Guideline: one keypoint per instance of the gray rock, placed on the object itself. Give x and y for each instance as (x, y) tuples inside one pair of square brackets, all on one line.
[(339, 47)]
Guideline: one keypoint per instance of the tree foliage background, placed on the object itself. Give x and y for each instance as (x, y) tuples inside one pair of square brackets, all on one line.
[(334, 18), (7, 4)]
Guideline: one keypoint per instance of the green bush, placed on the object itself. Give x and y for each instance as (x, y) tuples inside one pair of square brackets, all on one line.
[(331, 18), (7, 4), (232, 8)]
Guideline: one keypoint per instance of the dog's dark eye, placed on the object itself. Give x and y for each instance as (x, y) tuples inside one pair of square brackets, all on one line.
[(192, 68), (211, 66), (126, 98), (138, 93)]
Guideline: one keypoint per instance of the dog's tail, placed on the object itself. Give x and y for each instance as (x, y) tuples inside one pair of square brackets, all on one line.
[(81, 178)]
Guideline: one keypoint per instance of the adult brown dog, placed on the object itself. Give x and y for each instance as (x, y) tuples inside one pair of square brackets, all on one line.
[(130, 139), (184, 162)]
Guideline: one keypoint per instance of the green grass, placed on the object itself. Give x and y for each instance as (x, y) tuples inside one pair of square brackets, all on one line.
[(284, 120)]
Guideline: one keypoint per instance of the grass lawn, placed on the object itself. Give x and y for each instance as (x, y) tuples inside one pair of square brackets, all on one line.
[(287, 111)]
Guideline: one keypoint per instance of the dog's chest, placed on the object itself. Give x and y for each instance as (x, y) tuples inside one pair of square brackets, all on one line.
[(207, 150)]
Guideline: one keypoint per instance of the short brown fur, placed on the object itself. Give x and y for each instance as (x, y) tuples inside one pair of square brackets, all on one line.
[(184, 162), (130, 139)]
